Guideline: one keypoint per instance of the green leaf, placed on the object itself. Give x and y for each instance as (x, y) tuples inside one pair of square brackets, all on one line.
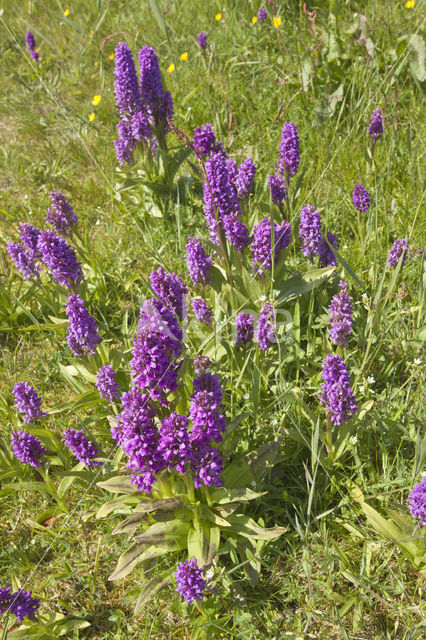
[(160, 532), (247, 527), (301, 284), (117, 504), (118, 484), (388, 529), (151, 589), (161, 503), (253, 466), (66, 482), (159, 18), (223, 496)]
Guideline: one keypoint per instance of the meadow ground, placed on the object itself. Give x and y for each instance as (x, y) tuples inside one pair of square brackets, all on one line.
[(325, 66)]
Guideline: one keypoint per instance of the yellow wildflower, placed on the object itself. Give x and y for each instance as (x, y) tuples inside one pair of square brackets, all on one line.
[(170, 68), (91, 32), (277, 21), (410, 4), (67, 13), (184, 56), (96, 100), (218, 17), (111, 57), (254, 19), (92, 117)]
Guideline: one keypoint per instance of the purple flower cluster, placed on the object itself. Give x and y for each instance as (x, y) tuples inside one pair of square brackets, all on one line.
[(400, 248), (202, 311), (244, 324), (202, 40), (337, 397), (27, 448), (262, 14), (207, 466), (140, 107), (157, 102), (261, 246), (27, 401), (220, 198), (265, 330), (340, 316), (137, 435), (21, 603), (25, 256), (170, 289), (326, 255), (157, 347), (417, 501), (107, 384), (84, 450), (82, 336), (190, 583), (204, 140), (61, 216), (198, 261), (31, 45), (174, 445), (206, 412), (60, 259), (243, 182), (288, 162), (310, 230), (376, 125), (361, 198), (277, 188)]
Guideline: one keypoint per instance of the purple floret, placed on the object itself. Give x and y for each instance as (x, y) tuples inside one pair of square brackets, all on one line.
[(170, 289), (261, 246), (27, 448), (337, 397), (204, 140), (107, 384), (198, 261), (400, 248), (201, 364), (157, 102), (340, 316), (219, 195), (84, 450), (244, 180), (60, 259), (190, 584), (206, 412), (277, 188), (310, 230), (288, 162), (244, 323), (31, 45), (27, 401), (138, 436), (126, 89), (265, 330), (417, 501), (262, 14), (361, 198), (125, 143), (207, 466), (174, 445), (157, 347), (236, 231), (202, 40), (376, 125), (82, 336), (20, 603), (24, 260), (30, 236), (61, 216), (202, 311)]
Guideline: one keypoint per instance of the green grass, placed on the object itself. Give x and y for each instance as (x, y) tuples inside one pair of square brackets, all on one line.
[(331, 575)]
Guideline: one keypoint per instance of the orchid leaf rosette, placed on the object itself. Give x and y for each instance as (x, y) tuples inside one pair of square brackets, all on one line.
[(178, 491)]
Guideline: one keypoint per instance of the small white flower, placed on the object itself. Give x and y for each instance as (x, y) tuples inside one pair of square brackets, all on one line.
[(353, 440), (361, 388), (98, 222), (26, 196), (209, 574), (252, 484), (417, 362), (345, 246), (371, 380), (364, 297)]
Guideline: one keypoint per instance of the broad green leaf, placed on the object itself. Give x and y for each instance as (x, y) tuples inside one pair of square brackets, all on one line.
[(162, 504), (301, 284), (116, 504), (66, 482), (223, 496), (160, 532), (118, 484), (159, 18), (253, 466), (151, 588), (247, 527)]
